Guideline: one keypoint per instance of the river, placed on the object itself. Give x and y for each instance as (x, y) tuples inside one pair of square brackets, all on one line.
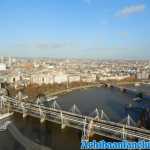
[(111, 100)]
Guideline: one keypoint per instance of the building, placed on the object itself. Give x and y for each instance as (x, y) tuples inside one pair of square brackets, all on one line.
[(143, 75), (42, 79), (2, 67), (61, 78), (74, 78), (88, 78)]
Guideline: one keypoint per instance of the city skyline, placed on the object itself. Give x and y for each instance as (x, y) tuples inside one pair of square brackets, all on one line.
[(75, 29)]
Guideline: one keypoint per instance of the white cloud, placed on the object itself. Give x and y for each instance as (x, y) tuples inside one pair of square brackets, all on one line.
[(131, 9)]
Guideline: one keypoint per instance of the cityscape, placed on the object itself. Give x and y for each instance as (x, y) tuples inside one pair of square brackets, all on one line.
[(25, 71), (89, 92)]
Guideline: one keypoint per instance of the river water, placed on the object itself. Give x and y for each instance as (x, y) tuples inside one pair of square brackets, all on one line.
[(143, 88), (111, 100)]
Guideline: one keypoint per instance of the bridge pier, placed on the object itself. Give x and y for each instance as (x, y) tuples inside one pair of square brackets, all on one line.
[(42, 115), (124, 133), (87, 130), (62, 121), (84, 134), (24, 114), (8, 108), (1, 102), (90, 129), (24, 111)]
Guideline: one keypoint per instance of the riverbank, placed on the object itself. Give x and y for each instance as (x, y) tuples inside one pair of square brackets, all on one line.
[(33, 90), (73, 89)]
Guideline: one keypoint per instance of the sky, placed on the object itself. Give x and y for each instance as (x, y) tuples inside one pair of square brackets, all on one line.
[(105, 29)]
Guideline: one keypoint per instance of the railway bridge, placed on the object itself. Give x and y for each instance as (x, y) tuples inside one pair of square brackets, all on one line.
[(89, 125)]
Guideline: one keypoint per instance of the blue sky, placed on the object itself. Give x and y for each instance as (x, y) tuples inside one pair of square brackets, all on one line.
[(75, 28)]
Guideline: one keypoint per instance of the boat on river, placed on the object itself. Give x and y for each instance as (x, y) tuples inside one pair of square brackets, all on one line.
[(137, 99), (137, 84), (52, 98)]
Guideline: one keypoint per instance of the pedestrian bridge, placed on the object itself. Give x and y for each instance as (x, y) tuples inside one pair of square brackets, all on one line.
[(97, 123)]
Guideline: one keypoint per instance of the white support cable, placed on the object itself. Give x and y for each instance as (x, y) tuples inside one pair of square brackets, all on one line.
[(128, 121), (74, 109), (55, 105), (95, 114)]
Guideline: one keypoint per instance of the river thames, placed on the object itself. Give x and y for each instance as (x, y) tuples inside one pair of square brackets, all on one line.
[(111, 100)]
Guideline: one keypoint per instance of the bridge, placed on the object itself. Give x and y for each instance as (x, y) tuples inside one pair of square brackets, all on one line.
[(98, 84), (89, 125)]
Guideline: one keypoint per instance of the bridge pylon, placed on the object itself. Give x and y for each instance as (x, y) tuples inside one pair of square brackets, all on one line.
[(103, 115), (55, 105), (74, 109), (20, 96), (95, 114), (38, 101), (42, 115), (24, 110), (62, 121), (128, 121), (124, 133)]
